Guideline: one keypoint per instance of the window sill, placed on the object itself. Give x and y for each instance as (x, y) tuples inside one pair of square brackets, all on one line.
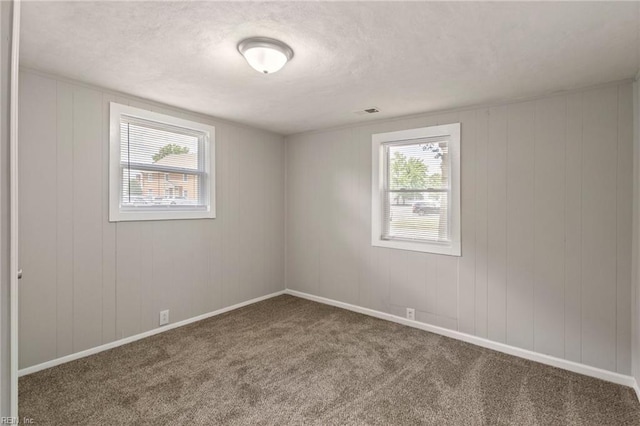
[(130, 216), (424, 247)]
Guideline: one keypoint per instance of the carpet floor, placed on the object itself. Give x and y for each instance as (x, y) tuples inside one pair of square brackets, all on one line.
[(287, 360)]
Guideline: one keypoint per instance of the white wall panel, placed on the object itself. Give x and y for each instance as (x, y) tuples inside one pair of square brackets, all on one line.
[(624, 211), (481, 220), (497, 225), (467, 267), (549, 226), (520, 224), (108, 237), (87, 218), (64, 210), (599, 179), (573, 229), (38, 315)]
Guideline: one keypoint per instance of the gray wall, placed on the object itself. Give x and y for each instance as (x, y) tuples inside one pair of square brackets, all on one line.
[(546, 226), (546, 219), (5, 72), (87, 281)]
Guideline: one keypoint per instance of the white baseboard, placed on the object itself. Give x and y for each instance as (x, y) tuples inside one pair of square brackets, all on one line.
[(564, 364), (636, 388), (120, 342)]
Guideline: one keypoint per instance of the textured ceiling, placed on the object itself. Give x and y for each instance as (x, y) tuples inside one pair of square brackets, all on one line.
[(401, 57)]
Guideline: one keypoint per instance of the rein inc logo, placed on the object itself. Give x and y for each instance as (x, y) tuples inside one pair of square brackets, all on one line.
[(16, 421)]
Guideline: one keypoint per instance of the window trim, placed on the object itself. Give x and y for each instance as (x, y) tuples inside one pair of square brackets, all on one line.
[(378, 174), (116, 213)]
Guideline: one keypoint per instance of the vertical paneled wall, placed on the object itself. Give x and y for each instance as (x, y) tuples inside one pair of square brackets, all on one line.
[(546, 226), (87, 281)]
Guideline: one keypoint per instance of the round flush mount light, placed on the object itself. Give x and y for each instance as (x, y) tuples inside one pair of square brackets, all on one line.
[(265, 55)]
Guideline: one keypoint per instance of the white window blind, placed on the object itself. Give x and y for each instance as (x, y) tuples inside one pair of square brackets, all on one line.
[(417, 191), (158, 150), (163, 166)]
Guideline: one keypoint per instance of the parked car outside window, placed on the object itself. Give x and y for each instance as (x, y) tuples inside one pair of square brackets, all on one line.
[(426, 207)]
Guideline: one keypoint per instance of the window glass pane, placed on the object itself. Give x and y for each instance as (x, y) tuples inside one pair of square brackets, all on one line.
[(148, 155), (416, 204), (417, 166), (424, 217)]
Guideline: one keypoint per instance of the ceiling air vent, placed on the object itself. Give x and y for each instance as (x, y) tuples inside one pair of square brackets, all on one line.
[(370, 110)]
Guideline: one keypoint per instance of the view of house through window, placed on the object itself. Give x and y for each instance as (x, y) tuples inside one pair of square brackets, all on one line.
[(160, 167)]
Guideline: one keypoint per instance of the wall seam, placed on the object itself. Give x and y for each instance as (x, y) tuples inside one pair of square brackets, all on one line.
[(486, 197), (472, 220), (102, 130), (506, 232), (533, 227), (581, 225), (564, 240), (617, 367), (73, 213), (285, 258), (57, 218)]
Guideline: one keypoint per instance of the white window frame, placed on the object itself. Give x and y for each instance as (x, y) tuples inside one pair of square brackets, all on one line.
[(378, 175), (116, 212)]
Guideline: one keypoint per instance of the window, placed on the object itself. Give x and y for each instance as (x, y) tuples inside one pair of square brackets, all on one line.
[(185, 177), (145, 142), (416, 189)]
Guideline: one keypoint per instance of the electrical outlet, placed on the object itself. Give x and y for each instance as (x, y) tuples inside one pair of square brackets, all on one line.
[(411, 313), (164, 317)]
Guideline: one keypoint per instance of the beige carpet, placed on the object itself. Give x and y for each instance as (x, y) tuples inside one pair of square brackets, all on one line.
[(290, 361)]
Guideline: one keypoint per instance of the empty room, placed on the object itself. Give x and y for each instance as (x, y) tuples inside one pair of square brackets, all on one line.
[(328, 213)]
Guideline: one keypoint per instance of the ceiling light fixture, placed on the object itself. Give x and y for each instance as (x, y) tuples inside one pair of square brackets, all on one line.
[(265, 55)]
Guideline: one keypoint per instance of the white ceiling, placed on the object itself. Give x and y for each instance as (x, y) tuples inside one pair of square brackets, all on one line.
[(403, 58)]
